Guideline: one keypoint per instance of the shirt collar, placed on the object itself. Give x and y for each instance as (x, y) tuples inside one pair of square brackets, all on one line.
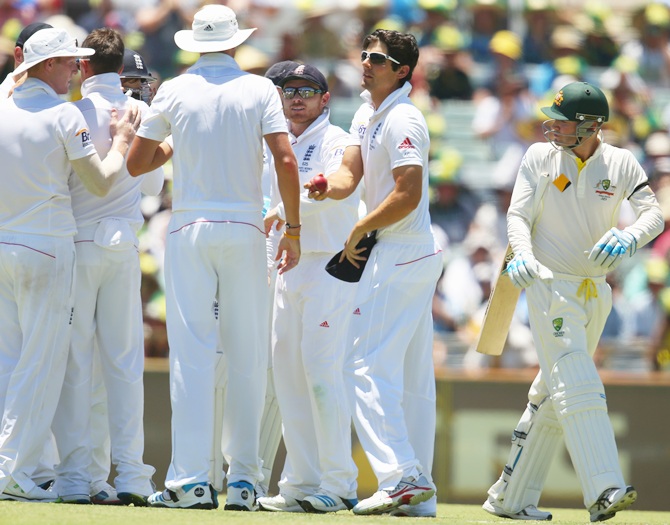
[(403, 90), (33, 86), (105, 82), (214, 59), (321, 121)]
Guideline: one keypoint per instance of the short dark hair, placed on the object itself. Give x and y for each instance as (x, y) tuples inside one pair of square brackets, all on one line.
[(109, 49), (401, 46)]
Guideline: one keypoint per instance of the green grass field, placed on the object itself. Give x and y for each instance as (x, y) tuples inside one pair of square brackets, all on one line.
[(13, 513)]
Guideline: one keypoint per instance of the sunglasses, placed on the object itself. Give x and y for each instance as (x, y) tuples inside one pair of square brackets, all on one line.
[(377, 58), (303, 92)]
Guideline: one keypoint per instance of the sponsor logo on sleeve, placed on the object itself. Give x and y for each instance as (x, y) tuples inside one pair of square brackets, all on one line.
[(85, 136)]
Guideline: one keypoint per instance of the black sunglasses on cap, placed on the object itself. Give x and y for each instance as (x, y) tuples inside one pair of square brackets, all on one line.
[(303, 92), (377, 58)]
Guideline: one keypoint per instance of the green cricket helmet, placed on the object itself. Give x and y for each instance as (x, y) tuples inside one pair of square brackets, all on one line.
[(579, 102)]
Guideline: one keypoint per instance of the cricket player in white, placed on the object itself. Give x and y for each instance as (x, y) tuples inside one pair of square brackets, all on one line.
[(573, 233), (311, 314), (218, 116), (108, 308), (391, 358), (41, 137)]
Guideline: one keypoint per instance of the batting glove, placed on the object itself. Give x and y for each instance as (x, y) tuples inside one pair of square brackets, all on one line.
[(608, 252), (523, 269)]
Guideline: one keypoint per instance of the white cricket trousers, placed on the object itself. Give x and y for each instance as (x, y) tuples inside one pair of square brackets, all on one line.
[(309, 335), (226, 261), (107, 320), (390, 364), (36, 297), (567, 316)]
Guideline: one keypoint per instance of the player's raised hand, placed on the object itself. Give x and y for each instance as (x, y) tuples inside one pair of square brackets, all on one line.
[(608, 252), (523, 269), (124, 128)]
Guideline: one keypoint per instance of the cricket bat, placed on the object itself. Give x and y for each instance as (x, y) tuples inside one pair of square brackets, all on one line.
[(499, 311)]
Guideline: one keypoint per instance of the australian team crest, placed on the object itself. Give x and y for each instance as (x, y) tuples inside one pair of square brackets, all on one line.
[(558, 99), (605, 189), (558, 327)]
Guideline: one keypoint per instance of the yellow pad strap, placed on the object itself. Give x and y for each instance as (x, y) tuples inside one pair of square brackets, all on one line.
[(588, 289)]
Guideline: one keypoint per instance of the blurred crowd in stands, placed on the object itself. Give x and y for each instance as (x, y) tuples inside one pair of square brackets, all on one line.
[(486, 67)]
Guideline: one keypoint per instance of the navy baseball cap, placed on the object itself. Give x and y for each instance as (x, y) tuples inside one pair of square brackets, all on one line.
[(278, 71), (347, 272), (29, 31), (309, 73)]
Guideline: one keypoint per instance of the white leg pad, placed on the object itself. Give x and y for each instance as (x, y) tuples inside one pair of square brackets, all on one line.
[(534, 444), (270, 432), (579, 400)]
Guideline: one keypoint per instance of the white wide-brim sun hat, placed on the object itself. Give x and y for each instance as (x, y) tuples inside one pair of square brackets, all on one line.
[(50, 43), (214, 29)]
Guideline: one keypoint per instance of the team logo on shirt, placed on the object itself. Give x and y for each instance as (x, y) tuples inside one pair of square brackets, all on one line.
[(308, 154), (374, 136), (604, 189), (85, 136), (558, 325), (406, 144)]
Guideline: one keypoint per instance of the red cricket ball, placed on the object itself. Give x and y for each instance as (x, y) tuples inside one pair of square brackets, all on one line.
[(320, 183)]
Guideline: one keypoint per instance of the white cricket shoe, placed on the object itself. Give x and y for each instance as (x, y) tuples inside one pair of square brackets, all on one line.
[(531, 512), (240, 495), (324, 501), (280, 503), (36, 494), (425, 509), (102, 493), (191, 496), (410, 491), (612, 501)]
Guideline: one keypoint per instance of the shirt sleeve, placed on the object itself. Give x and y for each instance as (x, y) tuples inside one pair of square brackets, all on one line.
[(520, 212), (406, 137), (273, 120), (76, 134), (155, 125), (649, 223)]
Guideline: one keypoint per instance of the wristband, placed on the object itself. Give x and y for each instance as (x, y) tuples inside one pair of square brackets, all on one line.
[(291, 226), (295, 237)]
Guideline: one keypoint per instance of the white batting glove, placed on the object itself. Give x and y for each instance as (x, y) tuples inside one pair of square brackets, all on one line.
[(523, 269), (608, 252)]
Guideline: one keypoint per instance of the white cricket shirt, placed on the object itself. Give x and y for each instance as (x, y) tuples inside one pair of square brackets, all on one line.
[(217, 115), (101, 94), (325, 224), (39, 134), (394, 135), (577, 208)]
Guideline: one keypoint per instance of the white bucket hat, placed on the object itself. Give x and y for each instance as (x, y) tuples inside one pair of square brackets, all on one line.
[(50, 43), (214, 29)]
